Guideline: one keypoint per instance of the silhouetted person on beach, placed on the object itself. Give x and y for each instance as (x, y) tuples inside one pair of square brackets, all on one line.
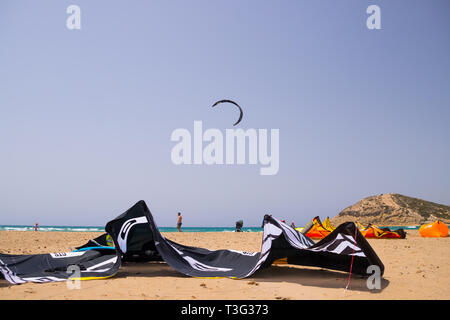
[(36, 226), (179, 222)]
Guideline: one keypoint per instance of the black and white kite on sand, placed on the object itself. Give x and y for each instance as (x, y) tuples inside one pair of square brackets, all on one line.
[(137, 238), (88, 265)]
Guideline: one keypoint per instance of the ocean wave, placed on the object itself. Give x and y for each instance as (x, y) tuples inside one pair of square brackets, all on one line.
[(102, 229), (53, 229), (16, 228)]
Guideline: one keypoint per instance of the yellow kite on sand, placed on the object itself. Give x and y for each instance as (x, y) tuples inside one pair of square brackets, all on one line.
[(376, 232), (317, 229)]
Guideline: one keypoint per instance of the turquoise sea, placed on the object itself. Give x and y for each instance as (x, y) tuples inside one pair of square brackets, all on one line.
[(102, 229), (162, 229), (393, 228)]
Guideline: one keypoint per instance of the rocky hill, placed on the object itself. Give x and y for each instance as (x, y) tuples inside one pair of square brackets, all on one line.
[(393, 210)]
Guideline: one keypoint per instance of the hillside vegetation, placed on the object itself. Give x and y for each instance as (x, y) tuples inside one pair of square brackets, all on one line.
[(393, 209)]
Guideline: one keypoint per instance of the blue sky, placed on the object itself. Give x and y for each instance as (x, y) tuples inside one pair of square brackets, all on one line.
[(86, 115)]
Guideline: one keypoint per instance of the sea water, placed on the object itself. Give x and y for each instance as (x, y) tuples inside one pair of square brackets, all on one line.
[(394, 228), (102, 229), (161, 229)]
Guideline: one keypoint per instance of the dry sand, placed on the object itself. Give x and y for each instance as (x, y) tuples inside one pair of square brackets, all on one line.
[(415, 268)]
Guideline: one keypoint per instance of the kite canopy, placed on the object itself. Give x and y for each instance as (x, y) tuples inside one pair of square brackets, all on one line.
[(434, 230), (92, 264), (327, 224), (137, 238), (373, 231), (279, 241), (241, 113), (315, 229)]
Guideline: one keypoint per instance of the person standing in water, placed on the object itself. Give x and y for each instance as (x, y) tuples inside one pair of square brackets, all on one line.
[(36, 226), (179, 222)]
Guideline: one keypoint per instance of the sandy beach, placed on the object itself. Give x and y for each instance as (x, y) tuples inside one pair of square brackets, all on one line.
[(415, 268)]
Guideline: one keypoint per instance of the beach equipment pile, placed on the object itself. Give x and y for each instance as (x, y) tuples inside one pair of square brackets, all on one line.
[(135, 237), (315, 229)]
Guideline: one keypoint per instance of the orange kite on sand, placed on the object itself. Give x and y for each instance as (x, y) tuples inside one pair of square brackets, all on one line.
[(434, 230), (373, 231), (315, 229)]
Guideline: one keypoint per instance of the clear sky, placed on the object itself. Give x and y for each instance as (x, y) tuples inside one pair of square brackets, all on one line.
[(86, 115)]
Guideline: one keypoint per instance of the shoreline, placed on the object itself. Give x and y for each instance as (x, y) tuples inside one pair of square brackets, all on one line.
[(26, 228)]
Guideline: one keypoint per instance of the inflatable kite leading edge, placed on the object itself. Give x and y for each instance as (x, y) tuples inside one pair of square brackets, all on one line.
[(137, 238), (436, 229)]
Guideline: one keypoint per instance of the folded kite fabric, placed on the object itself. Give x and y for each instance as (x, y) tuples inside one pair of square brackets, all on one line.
[(87, 265), (375, 232), (136, 238)]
